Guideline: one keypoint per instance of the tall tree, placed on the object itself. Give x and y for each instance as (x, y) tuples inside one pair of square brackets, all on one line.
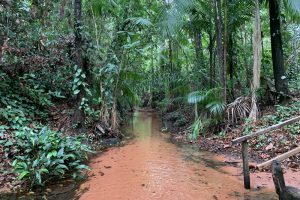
[(277, 52), (220, 47), (257, 56), (78, 117), (225, 51)]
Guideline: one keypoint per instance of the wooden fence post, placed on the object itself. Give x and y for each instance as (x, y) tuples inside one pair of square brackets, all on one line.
[(246, 164)]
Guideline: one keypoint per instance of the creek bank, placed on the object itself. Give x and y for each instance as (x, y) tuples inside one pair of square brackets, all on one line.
[(58, 189), (261, 149), (13, 188)]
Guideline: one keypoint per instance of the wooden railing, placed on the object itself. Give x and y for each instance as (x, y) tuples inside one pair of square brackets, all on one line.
[(245, 157)]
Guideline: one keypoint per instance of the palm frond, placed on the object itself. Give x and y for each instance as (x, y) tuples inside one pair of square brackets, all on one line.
[(174, 18), (196, 97), (292, 8), (196, 127), (216, 107), (139, 21), (239, 109)]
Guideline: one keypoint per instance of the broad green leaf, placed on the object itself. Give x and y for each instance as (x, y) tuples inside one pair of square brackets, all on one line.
[(23, 174), (76, 92)]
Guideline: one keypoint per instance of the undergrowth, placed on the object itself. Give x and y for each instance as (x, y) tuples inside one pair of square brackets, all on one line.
[(40, 154)]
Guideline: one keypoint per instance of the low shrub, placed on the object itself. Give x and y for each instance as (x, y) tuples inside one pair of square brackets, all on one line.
[(40, 155), (284, 112), (180, 122), (173, 116)]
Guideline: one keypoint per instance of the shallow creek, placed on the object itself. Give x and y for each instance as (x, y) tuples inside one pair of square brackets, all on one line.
[(151, 167)]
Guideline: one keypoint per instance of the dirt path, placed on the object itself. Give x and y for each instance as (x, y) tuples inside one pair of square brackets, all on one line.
[(152, 168)]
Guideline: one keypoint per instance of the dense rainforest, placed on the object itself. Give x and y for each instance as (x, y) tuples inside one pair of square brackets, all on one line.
[(71, 72)]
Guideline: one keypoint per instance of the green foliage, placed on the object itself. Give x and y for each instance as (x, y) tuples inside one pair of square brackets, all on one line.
[(177, 118), (140, 21), (282, 113), (15, 117), (212, 109), (41, 154), (18, 110), (165, 104), (130, 48), (208, 101), (196, 128), (180, 122), (79, 83), (248, 126), (173, 116)]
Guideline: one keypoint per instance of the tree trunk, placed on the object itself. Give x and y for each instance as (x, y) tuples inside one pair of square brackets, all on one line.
[(231, 63), (230, 56), (220, 48), (62, 9), (211, 58), (78, 117), (199, 48), (257, 56), (277, 52), (224, 66)]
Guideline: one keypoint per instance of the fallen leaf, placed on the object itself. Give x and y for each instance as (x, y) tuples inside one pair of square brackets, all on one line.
[(269, 147)]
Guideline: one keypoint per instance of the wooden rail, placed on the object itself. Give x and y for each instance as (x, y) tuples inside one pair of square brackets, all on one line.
[(266, 130), (279, 158), (245, 156)]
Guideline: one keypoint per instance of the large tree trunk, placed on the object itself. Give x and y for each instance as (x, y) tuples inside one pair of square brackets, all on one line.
[(257, 56), (78, 117), (277, 52)]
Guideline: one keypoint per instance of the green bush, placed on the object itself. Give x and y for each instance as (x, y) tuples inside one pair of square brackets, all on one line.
[(180, 122), (174, 116), (41, 155), (284, 112)]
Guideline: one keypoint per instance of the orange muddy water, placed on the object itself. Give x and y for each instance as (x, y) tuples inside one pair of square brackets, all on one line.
[(151, 167)]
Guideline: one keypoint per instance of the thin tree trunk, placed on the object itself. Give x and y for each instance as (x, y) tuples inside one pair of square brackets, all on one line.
[(62, 8), (218, 24), (230, 56), (245, 58), (199, 48), (231, 63), (224, 66), (211, 58), (277, 52)]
